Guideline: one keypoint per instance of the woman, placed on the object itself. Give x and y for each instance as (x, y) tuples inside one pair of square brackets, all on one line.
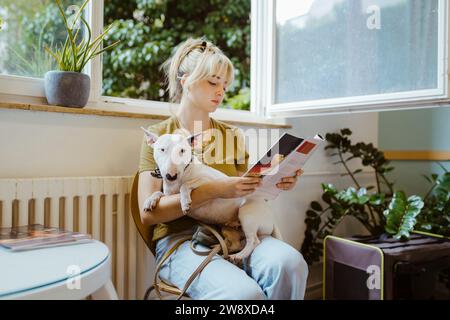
[(198, 75)]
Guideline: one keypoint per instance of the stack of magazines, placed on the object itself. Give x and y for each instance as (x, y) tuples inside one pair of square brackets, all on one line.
[(37, 236)]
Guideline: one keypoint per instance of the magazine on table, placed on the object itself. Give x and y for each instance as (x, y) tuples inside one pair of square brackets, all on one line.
[(284, 158), (36, 236)]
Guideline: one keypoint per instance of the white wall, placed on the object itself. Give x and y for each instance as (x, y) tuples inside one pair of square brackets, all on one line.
[(45, 144)]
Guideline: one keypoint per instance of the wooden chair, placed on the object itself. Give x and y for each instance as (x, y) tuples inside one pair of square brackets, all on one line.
[(146, 233)]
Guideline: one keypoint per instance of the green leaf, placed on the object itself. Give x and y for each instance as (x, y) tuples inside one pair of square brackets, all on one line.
[(346, 132), (316, 206), (311, 214), (376, 199), (329, 188), (326, 198), (401, 215)]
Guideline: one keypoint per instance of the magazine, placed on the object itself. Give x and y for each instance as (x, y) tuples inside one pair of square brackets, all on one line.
[(284, 158), (37, 236)]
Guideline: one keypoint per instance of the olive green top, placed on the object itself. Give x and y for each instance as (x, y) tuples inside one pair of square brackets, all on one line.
[(225, 141)]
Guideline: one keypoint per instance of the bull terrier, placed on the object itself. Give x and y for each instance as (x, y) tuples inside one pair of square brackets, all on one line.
[(182, 172)]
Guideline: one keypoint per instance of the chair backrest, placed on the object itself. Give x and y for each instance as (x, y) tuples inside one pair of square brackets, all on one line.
[(146, 232)]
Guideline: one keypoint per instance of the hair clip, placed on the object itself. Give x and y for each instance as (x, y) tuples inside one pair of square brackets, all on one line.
[(203, 46)]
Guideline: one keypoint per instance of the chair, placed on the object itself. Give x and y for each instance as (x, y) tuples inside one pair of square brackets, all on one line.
[(146, 233)]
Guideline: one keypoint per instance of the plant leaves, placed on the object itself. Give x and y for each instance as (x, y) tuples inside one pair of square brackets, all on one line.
[(401, 214), (316, 206), (311, 214)]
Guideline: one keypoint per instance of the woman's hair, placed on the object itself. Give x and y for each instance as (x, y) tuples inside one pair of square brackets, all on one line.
[(199, 59)]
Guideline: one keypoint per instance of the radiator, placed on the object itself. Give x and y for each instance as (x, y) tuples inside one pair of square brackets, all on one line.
[(95, 205)]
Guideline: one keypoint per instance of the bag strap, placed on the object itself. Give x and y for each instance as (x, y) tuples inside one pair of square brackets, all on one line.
[(222, 244), (199, 269), (221, 247), (166, 255)]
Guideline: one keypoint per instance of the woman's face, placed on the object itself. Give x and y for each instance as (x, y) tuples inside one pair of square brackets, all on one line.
[(208, 94)]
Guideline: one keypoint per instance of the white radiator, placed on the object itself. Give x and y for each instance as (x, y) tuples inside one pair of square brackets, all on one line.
[(95, 205)]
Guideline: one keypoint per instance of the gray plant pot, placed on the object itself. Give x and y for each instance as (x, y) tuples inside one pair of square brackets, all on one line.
[(67, 88)]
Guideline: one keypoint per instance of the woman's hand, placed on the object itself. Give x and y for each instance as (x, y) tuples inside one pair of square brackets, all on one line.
[(236, 187), (288, 183)]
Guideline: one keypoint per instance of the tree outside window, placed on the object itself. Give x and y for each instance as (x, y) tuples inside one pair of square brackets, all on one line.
[(149, 30)]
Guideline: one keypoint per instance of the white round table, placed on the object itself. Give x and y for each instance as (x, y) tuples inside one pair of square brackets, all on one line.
[(65, 272)]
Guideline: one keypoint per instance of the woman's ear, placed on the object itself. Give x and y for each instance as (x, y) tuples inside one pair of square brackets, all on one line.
[(183, 79)]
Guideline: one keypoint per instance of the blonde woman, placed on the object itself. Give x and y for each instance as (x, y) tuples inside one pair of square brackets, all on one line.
[(198, 75)]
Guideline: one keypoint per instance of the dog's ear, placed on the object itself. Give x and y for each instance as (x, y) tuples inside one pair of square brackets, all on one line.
[(150, 137), (194, 139)]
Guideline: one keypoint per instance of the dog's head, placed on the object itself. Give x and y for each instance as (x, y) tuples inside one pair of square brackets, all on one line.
[(172, 153)]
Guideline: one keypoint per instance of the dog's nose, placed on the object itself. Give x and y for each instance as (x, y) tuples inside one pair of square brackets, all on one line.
[(171, 178)]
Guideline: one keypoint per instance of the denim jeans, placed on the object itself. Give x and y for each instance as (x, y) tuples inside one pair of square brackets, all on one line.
[(274, 271)]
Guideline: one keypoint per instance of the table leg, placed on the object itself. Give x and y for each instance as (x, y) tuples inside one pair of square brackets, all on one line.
[(107, 292)]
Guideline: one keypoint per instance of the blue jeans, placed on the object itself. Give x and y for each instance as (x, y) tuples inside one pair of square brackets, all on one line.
[(274, 271)]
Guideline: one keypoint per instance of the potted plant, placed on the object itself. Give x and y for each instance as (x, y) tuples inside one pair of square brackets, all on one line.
[(384, 211), (69, 86)]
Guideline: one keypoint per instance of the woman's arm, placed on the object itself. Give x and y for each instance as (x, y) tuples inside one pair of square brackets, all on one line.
[(168, 208)]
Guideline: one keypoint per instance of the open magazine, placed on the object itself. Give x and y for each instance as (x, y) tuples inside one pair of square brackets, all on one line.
[(286, 156), (36, 236)]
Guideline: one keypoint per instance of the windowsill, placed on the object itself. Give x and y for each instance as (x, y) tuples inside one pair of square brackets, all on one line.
[(139, 113)]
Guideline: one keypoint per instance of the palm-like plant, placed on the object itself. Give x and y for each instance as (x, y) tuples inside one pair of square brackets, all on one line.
[(75, 53)]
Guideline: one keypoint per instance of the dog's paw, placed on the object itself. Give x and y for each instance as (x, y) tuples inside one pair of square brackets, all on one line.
[(185, 200), (237, 259), (151, 202), (186, 206)]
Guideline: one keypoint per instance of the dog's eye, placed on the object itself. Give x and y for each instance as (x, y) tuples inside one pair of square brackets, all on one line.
[(182, 150), (162, 149)]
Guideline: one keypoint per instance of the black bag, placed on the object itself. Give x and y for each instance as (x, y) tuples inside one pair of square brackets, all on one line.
[(414, 269)]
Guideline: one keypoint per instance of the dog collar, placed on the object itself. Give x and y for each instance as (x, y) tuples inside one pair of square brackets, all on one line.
[(156, 173), (192, 158)]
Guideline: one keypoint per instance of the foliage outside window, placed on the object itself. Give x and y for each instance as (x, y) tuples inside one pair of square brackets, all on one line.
[(149, 30), (27, 28)]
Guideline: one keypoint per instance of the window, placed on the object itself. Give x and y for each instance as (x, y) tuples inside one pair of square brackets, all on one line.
[(308, 57), (341, 55), (27, 28), (149, 30)]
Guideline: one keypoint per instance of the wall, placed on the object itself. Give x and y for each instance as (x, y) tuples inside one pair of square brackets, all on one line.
[(427, 129)]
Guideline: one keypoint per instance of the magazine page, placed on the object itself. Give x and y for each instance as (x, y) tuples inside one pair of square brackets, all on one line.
[(37, 236), (289, 154)]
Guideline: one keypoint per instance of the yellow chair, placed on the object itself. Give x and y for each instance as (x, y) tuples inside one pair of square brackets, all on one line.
[(146, 233)]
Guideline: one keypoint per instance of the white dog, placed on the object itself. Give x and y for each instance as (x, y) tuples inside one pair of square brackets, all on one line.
[(182, 172)]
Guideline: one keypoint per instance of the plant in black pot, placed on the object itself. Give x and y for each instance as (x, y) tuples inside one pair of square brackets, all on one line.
[(383, 211), (69, 86)]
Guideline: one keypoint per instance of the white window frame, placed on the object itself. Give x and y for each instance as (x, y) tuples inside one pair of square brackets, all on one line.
[(264, 89), (31, 90)]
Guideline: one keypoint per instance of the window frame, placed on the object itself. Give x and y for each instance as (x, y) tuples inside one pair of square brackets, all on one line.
[(263, 56), (23, 88), (376, 102), (31, 90)]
